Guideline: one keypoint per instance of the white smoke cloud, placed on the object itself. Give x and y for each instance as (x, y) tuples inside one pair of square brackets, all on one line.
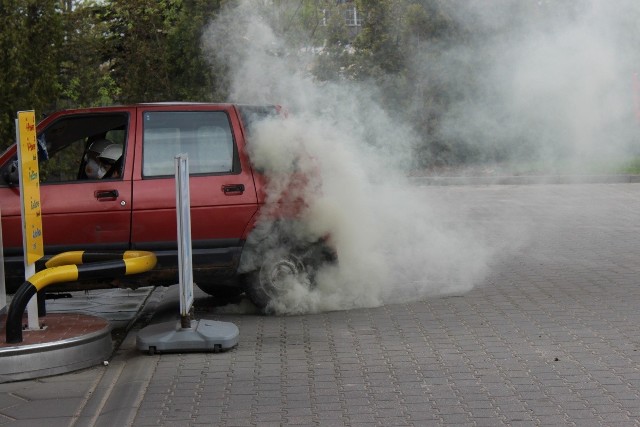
[(392, 244), (548, 88), (550, 82)]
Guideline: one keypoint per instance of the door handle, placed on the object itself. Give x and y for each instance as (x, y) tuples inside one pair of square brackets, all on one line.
[(106, 194), (233, 189)]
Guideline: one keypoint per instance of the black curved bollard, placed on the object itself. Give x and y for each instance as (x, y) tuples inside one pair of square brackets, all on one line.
[(61, 268), (16, 310)]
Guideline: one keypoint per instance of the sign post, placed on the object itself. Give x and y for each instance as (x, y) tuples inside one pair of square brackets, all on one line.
[(185, 263), (189, 334), (32, 241)]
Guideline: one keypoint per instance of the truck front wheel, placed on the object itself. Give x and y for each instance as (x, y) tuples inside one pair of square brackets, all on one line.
[(278, 273), (282, 270)]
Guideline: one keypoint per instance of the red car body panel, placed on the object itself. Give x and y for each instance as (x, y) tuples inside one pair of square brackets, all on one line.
[(214, 213), (138, 212), (104, 221)]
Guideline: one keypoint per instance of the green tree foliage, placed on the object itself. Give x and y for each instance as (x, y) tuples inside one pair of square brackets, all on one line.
[(379, 44), (84, 69), (398, 49), (71, 53), (154, 48), (137, 39), (30, 40), (79, 53), (332, 35), (192, 77), (428, 34)]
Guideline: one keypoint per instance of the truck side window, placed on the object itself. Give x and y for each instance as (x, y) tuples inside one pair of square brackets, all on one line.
[(204, 135), (68, 139), (253, 114)]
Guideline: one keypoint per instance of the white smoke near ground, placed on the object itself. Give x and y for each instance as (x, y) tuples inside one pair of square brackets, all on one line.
[(552, 89), (391, 245)]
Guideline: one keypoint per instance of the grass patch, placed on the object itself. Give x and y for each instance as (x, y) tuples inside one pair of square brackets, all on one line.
[(628, 166), (632, 167), (604, 166)]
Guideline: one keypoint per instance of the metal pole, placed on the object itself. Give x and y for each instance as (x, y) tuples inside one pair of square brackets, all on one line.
[(183, 214)]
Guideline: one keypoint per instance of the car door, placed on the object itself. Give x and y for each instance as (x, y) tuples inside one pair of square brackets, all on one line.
[(222, 192), (77, 213)]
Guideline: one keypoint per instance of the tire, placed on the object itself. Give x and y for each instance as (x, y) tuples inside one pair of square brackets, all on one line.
[(279, 269), (274, 277)]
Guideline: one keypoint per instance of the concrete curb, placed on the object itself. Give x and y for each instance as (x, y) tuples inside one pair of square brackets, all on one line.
[(525, 180), (68, 343), (115, 398), (118, 394)]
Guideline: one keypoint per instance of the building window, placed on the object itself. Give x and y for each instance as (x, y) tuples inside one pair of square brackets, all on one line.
[(352, 18)]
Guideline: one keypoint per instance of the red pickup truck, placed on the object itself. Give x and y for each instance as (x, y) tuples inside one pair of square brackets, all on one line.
[(132, 205)]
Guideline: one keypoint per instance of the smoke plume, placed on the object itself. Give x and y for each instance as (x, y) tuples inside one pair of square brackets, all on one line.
[(546, 88), (545, 85)]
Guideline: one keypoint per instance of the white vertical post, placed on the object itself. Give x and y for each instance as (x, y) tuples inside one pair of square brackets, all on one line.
[(183, 213)]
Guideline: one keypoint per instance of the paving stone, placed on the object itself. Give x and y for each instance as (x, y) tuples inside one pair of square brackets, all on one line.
[(547, 337)]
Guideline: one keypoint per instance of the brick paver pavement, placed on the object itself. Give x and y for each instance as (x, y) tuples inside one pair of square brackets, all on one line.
[(551, 336)]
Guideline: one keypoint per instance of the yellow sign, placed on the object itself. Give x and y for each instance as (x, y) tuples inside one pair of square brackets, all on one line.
[(30, 187)]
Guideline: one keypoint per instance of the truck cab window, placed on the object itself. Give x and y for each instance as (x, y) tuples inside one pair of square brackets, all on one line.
[(205, 136), (67, 143)]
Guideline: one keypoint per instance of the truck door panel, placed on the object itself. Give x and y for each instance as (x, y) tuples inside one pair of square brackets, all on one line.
[(75, 214), (222, 192)]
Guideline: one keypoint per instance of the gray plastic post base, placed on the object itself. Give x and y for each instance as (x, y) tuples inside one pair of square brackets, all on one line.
[(203, 335)]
